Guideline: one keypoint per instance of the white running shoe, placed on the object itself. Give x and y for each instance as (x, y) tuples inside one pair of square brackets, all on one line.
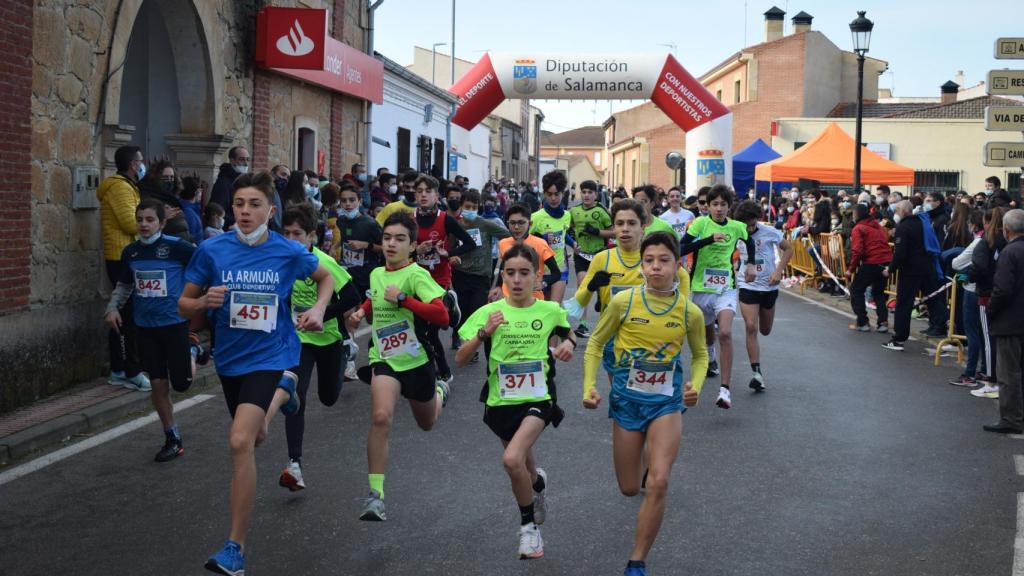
[(724, 398), (986, 391), (350, 371), (291, 477), (116, 378), (139, 382), (530, 543), (757, 382), (540, 507)]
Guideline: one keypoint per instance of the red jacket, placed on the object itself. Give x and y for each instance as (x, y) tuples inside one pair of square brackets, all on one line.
[(869, 244)]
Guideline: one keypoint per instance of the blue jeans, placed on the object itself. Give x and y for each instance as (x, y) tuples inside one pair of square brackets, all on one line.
[(972, 329)]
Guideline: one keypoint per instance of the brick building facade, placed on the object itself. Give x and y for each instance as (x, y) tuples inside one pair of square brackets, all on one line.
[(799, 75), (175, 77)]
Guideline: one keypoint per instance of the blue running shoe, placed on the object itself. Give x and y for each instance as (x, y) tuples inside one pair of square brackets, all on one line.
[(631, 570), (228, 561), (288, 383)]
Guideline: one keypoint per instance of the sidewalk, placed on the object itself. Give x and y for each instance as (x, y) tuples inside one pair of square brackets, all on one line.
[(86, 409)]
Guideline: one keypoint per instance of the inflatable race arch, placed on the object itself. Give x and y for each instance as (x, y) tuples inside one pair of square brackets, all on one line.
[(660, 79)]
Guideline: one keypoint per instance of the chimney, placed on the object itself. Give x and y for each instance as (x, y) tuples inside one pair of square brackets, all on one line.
[(949, 90), (959, 79), (773, 22), (802, 22)]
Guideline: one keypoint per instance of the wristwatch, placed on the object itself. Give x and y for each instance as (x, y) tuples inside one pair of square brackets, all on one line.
[(400, 299), (482, 336)]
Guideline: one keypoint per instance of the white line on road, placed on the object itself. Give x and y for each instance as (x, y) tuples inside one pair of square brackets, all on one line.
[(1018, 543), (819, 304), (92, 442), (1018, 462)]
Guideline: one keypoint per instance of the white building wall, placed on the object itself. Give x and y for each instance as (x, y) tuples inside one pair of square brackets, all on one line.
[(405, 107)]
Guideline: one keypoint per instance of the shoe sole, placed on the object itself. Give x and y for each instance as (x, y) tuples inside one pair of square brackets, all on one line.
[(288, 481), (533, 556), (723, 404), (213, 566), (371, 517), (756, 386)]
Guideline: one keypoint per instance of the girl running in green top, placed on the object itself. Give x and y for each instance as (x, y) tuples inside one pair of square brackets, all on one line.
[(520, 390)]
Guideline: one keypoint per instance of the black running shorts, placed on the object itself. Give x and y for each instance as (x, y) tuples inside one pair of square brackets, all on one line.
[(255, 388), (419, 384), (504, 421), (765, 299), (165, 354)]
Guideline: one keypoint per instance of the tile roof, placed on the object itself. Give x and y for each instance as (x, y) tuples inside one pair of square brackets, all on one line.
[(586, 137), (972, 109)]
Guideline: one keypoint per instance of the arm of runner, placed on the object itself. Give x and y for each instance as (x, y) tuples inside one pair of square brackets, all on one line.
[(690, 244), (751, 250), (787, 254), (432, 312), (466, 243), (193, 302), (344, 300), (470, 331), (567, 347), (607, 325), (698, 347), (583, 294), (312, 320)]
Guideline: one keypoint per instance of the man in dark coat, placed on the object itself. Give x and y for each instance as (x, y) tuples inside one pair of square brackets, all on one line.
[(1005, 313)]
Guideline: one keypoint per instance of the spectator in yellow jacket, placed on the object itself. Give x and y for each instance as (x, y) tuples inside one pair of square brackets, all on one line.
[(119, 196)]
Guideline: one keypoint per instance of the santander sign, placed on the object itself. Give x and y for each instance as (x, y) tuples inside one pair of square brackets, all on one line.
[(295, 42)]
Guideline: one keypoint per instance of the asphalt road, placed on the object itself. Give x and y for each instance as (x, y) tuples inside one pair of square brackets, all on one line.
[(856, 461)]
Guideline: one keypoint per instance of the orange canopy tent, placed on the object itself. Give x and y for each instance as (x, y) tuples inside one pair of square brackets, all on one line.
[(828, 158)]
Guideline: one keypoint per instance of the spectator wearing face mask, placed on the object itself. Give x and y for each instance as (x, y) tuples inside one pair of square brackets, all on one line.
[(223, 188), (359, 176), (935, 205), (190, 206), (161, 183)]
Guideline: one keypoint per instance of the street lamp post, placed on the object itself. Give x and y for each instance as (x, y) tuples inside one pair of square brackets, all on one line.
[(433, 60), (861, 30)]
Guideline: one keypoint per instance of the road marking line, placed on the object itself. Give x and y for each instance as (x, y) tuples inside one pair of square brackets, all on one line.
[(1018, 462), (819, 304), (92, 442), (1018, 543), (1017, 436)]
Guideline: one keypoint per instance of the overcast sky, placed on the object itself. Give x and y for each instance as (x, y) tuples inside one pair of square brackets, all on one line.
[(925, 42)]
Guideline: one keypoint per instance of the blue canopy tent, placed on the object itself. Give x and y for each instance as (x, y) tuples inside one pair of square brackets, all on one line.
[(743, 164)]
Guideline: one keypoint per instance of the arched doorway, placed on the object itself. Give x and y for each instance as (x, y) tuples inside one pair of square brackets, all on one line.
[(163, 96)]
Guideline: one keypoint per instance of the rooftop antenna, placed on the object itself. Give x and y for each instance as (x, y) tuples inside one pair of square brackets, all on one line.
[(671, 45)]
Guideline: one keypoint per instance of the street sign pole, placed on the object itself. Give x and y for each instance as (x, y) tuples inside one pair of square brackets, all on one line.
[(1005, 118)]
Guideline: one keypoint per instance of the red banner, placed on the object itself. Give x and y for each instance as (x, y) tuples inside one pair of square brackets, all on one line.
[(286, 45), (479, 93), (685, 100)]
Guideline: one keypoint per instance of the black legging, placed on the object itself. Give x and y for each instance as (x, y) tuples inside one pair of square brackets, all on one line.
[(330, 361), (869, 275), (434, 341), (124, 354)]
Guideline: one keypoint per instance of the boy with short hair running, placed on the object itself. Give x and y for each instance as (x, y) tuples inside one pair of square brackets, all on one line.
[(152, 275), (757, 298), (472, 274), (248, 278), (592, 227), (520, 391), (677, 216), (712, 240), (552, 223), (404, 299), (518, 219), (649, 323), (322, 348)]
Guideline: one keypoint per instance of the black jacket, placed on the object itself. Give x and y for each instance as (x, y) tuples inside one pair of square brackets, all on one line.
[(983, 265), (177, 226), (909, 256), (223, 192), (1006, 305), (940, 219)]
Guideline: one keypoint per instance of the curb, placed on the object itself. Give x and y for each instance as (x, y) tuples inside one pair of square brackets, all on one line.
[(88, 420)]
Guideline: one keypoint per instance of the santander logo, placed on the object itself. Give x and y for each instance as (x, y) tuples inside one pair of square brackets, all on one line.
[(295, 42)]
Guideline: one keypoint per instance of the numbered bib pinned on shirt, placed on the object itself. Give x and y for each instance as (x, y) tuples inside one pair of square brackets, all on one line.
[(151, 283), (351, 256), (254, 311), (555, 239), (395, 339), (716, 279), (517, 380), (478, 238), (649, 377)]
